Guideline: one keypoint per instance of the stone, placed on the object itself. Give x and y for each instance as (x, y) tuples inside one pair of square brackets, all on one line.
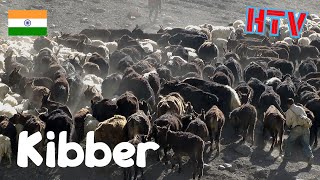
[(98, 10), (206, 167), (244, 150), (98, 24), (37, 6), (221, 167), (96, 1), (132, 18), (92, 26), (84, 20), (227, 165), (53, 26)]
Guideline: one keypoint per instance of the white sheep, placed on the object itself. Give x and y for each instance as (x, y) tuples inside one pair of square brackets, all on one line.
[(146, 75), (192, 56), (4, 89), (237, 23), (207, 26), (10, 100), (221, 32), (316, 20), (92, 80), (304, 41), (97, 43), (314, 36), (106, 50), (6, 109), (190, 49), (221, 44), (23, 106), (2, 69), (112, 46), (193, 28), (147, 47), (281, 42), (5, 148), (288, 40), (90, 123), (314, 16), (153, 43), (178, 59), (273, 80)]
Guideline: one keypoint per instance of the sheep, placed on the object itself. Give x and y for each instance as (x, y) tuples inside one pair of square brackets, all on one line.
[(4, 89), (183, 143), (274, 122), (5, 148), (112, 46), (288, 40), (314, 36), (97, 43), (138, 123), (164, 120), (199, 128), (127, 104), (92, 80), (127, 172), (237, 23), (304, 41), (208, 51), (221, 44), (7, 110), (221, 32), (77, 134), (214, 119), (10, 100), (111, 131), (172, 103)]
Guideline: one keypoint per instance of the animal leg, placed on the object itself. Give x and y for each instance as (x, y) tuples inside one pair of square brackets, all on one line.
[(280, 143), (274, 140), (179, 163), (217, 140), (211, 139)]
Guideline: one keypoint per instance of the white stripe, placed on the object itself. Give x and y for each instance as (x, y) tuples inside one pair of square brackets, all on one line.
[(20, 23)]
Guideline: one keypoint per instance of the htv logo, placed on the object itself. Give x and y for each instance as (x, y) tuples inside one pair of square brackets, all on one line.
[(256, 17)]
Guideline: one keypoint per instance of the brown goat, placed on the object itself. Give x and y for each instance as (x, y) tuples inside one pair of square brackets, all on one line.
[(184, 143), (244, 118), (173, 103), (274, 123), (60, 88), (215, 120)]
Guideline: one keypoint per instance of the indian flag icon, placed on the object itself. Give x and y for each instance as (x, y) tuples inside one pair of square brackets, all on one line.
[(27, 22)]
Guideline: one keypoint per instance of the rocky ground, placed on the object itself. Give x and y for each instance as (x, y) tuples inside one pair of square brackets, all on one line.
[(242, 161)]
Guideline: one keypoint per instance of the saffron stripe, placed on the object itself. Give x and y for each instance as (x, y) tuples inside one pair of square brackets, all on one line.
[(30, 31), (25, 14)]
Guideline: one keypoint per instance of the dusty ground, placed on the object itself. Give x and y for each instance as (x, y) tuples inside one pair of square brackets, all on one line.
[(65, 15)]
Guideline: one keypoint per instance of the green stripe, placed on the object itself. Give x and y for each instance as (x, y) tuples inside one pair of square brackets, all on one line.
[(28, 31)]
